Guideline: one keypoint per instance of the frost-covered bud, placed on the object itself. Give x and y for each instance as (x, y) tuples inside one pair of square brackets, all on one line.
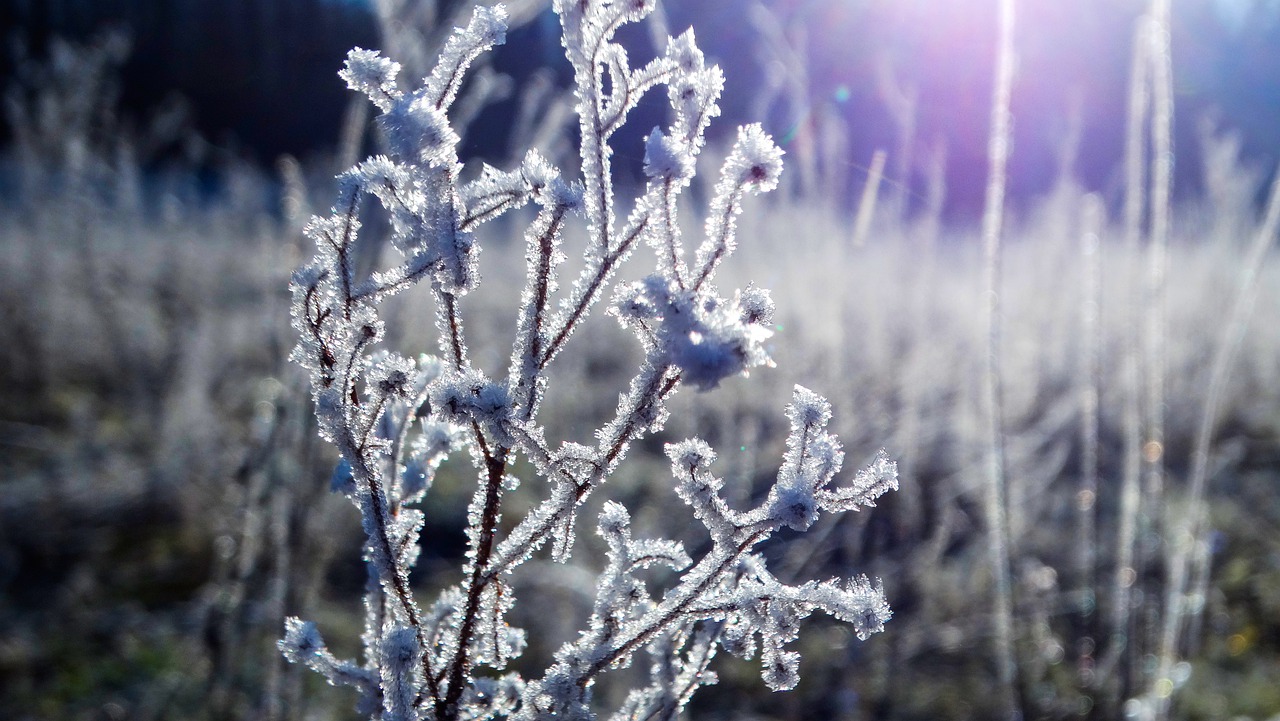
[(390, 375), (716, 346), (756, 162), (667, 158), (301, 640), (366, 71), (781, 669), (808, 409), (695, 99), (307, 277), (537, 171), (862, 604), (548, 186), (641, 301), (566, 195), (493, 402), (756, 304), (693, 454), (471, 397), (489, 25), (793, 505), (826, 458), (417, 129), (684, 51), (614, 520)]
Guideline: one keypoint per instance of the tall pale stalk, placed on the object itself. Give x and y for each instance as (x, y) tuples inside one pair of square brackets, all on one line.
[(867, 203), (1125, 575), (1191, 528), (998, 536), (1089, 370), (1155, 303)]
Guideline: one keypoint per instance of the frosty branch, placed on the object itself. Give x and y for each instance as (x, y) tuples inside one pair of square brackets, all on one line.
[(395, 419)]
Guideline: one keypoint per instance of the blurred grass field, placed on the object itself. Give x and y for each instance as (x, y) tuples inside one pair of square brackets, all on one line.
[(164, 499)]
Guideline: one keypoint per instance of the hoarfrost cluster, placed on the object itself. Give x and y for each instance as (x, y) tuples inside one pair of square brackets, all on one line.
[(395, 419)]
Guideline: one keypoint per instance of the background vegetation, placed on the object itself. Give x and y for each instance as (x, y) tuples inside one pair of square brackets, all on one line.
[(165, 499)]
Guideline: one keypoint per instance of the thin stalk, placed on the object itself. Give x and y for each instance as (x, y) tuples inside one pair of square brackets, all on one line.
[(867, 203), (1089, 370), (998, 535), (1118, 646), (1155, 304), (1192, 526)]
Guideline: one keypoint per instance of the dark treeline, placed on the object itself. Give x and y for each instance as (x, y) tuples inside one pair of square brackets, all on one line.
[(259, 76), (256, 74)]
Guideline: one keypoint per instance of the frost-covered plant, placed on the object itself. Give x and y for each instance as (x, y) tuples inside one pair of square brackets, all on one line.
[(395, 419)]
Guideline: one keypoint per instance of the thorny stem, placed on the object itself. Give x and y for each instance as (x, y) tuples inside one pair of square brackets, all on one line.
[(592, 291), (495, 467), (661, 388), (629, 99), (721, 243), (676, 609), (398, 582), (669, 231), (457, 347), (490, 211), (343, 250), (541, 280), (695, 679)]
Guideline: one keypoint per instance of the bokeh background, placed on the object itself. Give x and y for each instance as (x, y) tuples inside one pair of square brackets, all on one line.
[(164, 499)]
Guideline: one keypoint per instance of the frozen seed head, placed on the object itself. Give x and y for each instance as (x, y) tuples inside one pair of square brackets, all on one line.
[(301, 640), (756, 304), (470, 396), (793, 505), (366, 71), (694, 97), (808, 409), (614, 519), (690, 454), (782, 670), (706, 358), (418, 129), (633, 305), (684, 51), (756, 162), (489, 25), (667, 158), (537, 172), (391, 375), (715, 344)]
